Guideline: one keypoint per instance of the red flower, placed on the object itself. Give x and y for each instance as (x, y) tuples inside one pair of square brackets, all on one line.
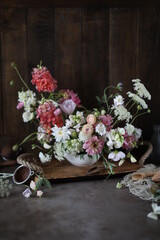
[(43, 80), (48, 118)]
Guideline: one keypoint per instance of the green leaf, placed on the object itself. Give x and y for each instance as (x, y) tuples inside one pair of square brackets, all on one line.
[(46, 183), (98, 99), (39, 183)]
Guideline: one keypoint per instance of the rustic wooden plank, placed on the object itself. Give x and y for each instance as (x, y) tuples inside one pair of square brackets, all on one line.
[(68, 48), (1, 102), (41, 38), (123, 46), (95, 43), (147, 67), (14, 49), (80, 3), (64, 170)]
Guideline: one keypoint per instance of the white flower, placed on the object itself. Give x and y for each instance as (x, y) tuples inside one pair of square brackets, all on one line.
[(68, 123), (27, 116), (42, 135), (138, 100), (83, 137), (33, 185), (101, 129), (138, 132), (68, 106), (39, 193), (73, 146), (27, 193), (118, 100), (129, 128), (116, 156), (28, 98), (141, 89), (155, 213), (61, 134), (46, 146), (110, 136), (121, 130), (44, 158), (122, 113), (59, 151)]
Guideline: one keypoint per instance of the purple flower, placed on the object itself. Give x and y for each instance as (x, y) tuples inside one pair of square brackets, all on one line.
[(68, 106), (20, 105), (27, 193)]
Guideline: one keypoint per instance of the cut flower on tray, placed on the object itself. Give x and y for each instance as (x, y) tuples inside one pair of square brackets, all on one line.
[(66, 128)]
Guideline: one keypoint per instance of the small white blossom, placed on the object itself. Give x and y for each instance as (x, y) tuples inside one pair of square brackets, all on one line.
[(83, 137), (155, 213), (46, 146), (101, 129), (39, 193), (68, 123), (118, 100), (27, 116), (129, 128), (122, 113), (33, 185), (42, 135), (59, 151), (138, 100), (27, 193), (141, 89), (61, 134), (138, 132), (116, 156), (44, 158)]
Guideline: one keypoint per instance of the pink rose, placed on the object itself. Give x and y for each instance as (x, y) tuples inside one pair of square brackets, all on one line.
[(91, 119)]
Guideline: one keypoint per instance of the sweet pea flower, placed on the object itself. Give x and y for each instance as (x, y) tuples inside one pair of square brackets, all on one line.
[(68, 106), (20, 105), (27, 193), (39, 193), (155, 213), (116, 156), (33, 185)]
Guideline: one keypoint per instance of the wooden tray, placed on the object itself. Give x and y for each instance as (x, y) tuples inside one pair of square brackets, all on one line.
[(64, 170)]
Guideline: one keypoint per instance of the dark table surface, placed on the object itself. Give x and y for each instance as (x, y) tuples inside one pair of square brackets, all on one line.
[(85, 210)]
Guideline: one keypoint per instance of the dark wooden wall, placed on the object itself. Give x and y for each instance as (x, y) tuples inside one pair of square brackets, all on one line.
[(85, 48)]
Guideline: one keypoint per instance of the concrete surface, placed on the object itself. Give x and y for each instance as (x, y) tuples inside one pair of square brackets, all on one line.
[(87, 210)]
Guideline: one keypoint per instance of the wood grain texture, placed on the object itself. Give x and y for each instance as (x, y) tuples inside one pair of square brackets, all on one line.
[(123, 46), (95, 44), (147, 67), (68, 48), (40, 31), (14, 49), (1, 99), (80, 3)]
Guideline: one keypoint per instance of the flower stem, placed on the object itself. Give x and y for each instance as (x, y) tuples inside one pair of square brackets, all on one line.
[(138, 116), (19, 75)]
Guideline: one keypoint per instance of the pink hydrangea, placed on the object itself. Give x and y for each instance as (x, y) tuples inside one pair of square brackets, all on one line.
[(49, 116), (43, 80), (93, 146), (69, 94)]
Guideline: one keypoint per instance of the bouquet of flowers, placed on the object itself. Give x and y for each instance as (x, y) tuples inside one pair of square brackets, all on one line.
[(67, 132)]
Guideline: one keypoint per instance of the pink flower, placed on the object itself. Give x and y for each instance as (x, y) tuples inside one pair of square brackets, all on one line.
[(87, 130), (43, 80), (91, 119), (93, 146), (129, 141), (106, 119), (69, 94), (20, 105), (57, 111), (68, 106)]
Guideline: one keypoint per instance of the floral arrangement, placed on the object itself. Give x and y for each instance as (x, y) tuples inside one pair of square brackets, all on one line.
[(107, 131)]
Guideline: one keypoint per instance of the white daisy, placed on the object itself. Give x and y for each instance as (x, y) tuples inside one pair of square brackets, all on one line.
[(118, 100), (61, 134), (101, 129)]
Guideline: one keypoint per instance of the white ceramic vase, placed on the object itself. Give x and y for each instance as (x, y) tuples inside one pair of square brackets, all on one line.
[(81, 160)]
